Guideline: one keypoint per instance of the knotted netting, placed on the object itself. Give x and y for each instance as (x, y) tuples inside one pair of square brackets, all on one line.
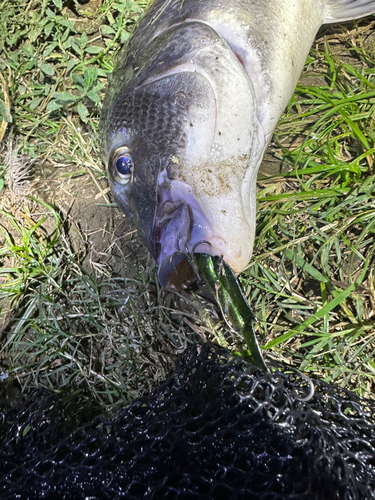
[(216, 428)]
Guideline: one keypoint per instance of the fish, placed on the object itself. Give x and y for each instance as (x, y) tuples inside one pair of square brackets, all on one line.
[(190, 109)]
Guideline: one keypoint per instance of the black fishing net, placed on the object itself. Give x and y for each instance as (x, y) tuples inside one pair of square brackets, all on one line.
[(216, 428)]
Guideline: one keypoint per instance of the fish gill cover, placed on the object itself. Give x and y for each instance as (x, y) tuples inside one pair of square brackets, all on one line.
[(216, 428)]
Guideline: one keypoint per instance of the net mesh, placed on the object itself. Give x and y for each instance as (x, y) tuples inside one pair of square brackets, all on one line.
[(216, 428)]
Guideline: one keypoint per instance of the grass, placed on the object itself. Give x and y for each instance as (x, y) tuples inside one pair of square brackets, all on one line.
[(311, 281), (70, 329), (97, 324)]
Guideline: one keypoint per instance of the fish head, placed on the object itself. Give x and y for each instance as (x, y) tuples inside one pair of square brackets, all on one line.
[(178, 165)]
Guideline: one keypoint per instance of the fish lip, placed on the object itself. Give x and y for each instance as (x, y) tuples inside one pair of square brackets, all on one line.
[(173, 275), (172, 242), (180, 231)]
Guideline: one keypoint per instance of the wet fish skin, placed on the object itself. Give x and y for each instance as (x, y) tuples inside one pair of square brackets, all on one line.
[(195, 98)]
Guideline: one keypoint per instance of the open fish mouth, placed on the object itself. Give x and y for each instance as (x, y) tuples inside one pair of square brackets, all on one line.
[(180, 230)]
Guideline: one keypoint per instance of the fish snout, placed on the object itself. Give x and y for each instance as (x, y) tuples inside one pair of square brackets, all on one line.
[(180, 232), (172, 235)]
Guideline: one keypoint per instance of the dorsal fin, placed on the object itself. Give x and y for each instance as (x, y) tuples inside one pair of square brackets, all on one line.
[(345, 10)]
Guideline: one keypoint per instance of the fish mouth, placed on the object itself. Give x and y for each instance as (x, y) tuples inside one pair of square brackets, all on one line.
[(180, 231)]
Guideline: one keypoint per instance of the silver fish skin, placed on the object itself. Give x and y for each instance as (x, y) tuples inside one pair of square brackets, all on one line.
[(190, 110)]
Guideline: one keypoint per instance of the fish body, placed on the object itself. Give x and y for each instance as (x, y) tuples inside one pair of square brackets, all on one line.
[(190, 110)]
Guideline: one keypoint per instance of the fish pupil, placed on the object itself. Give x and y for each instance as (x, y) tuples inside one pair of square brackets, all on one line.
[(124, 165)]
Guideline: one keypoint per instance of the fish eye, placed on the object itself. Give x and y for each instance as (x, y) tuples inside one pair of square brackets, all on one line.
[(122, 164)]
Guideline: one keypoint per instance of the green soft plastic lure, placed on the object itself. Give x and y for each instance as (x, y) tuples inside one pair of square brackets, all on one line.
[(223, 283)]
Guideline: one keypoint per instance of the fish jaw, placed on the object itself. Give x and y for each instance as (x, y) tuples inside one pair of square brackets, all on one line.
[(184, 228), (181, 229)]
